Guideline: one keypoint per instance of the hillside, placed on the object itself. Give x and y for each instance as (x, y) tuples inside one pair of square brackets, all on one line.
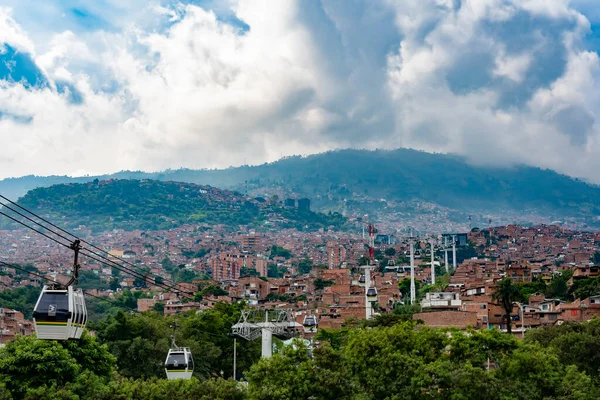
[(362, 177), (150, 204)]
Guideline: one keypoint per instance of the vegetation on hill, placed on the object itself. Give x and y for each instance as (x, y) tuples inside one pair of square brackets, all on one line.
[(397, 360), (22, 299), (396, 175), (150, 204)]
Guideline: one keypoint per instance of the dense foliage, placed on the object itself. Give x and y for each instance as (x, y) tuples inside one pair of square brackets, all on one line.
[(407, 361), (155, 205), (22, 299), (386, 359), (135, 337)]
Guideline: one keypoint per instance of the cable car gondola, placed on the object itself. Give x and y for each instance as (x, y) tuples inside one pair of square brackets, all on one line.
[(60, 311), (59, 314), (372, 294), (310, 324), (179, 363), (361, 280)]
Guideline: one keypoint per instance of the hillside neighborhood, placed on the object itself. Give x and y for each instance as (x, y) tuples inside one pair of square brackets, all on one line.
[(319, 274)]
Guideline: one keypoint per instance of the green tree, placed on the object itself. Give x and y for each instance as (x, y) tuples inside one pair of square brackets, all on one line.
[(214, 290), (305, 265), (274, 271), (506, 294), (159, 308), (186, 275), (390, 252), (133, 338), (404, 287), (27, 362), (114, 284), (292, 374), (245, 271), (278, 251), (558, 289), (574, 343), (534, 371), (321, 284), (596, 258), (529, 288), (22, 299)]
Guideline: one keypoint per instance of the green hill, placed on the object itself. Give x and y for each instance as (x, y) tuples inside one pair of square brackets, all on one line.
[(361, 177), (151, 204)]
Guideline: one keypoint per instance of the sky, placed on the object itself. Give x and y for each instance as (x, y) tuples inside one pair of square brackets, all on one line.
[(98, 86)]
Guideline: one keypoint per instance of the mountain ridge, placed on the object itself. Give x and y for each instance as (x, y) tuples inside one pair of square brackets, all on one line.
[(156, 205), (358, 177)]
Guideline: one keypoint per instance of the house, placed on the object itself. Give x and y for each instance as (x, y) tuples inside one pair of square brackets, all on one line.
[(448, 318), (442, 300)]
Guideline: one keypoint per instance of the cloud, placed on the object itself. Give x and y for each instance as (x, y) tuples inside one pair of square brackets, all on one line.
[(218, 83)]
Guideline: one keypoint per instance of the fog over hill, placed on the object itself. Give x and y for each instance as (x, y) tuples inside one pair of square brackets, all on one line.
[(349, 180)]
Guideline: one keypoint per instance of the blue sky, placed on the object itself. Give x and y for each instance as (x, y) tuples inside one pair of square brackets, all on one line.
[(101, 86)]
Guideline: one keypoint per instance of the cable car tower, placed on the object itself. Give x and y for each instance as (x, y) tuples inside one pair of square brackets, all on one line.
[(413, 291), (266, 323), (60, 312), (370, 290), (179, 363)]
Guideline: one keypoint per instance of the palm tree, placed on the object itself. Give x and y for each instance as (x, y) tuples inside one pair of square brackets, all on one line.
[(506, 294)]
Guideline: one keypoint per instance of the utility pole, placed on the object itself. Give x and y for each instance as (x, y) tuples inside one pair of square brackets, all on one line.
[(431, 244), (453, 253), (446, 255), (522, 321), (267, 339), (234, 355), (368, 304), (413, 294)]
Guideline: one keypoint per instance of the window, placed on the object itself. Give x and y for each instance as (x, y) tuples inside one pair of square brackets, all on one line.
[(53, 307), (574, 313), (482, 307), (176, 361)]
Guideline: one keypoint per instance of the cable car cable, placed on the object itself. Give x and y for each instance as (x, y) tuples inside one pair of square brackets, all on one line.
[(116, 264), (33, 229), (113, 301), (58, 227)]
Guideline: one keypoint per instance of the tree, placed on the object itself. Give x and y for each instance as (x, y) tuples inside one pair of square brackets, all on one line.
[(558, 289), (274, 271), (363, 260), (320, 283), (404, 286), (574, 343), (214, 290), (114, 284), (21, 299), (305, 265), (27, 362), (506, 294), (390, 252), (245, 271), (278, 251), (159, 308), (596, 258), (292, 374), (186, 275), (133, 338)]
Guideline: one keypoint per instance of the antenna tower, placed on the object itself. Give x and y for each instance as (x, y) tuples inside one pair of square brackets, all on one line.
[(371, 243)]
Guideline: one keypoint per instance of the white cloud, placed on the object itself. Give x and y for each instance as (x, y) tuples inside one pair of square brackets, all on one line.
[(11, 33), (513, 68), (500, 81)]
